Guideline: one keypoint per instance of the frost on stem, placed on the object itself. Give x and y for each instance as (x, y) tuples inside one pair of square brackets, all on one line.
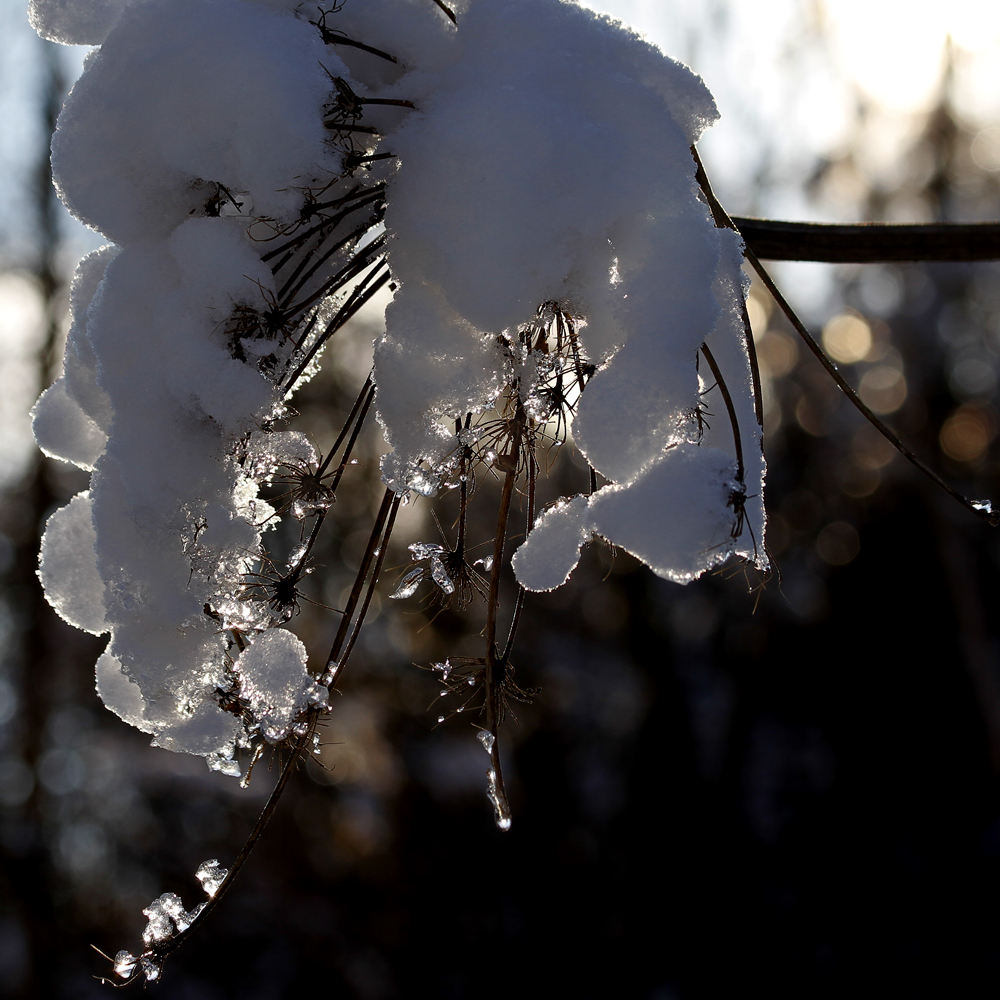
[(522, 171)]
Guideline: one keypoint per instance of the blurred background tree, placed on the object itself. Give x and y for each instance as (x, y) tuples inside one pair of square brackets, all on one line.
[(793, 790)]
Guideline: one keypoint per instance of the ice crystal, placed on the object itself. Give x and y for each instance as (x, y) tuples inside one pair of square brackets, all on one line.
[(167, 917), (211, 875), (495, 793), (125, 963)]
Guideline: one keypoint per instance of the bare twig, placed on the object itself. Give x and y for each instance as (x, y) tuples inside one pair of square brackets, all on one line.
[(871, 242), (723, 221), (981, 510), (371, 553), (159, 952), (495, 666), (724, 389), (448, 11), (362, 293)]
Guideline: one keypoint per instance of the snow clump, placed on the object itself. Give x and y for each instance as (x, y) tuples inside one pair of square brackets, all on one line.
[(533, 153)]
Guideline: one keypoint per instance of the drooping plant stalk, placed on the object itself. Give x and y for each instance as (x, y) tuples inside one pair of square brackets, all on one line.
[(869, 247)]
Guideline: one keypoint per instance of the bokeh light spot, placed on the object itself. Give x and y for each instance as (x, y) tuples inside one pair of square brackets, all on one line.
[(870, 449), (777, 354), (883, 389), (986, 149), (838, 543), (966, 434), (973, 375), (847, 338)]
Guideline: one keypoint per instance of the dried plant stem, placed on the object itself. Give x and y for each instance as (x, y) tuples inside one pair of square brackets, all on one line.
[(368, 395), (365, 398), (293, 283), (724, 389), (347, 273), (372, 550), (370, 591), (871, 242), (984, 512), (519, 602), (364, 401), (362, 293), (160, 952), (360, 196), (333, 39), (495, 667), (723, 221), (447, 10)]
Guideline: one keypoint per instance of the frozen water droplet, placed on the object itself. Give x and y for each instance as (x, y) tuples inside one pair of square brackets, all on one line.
[(443, 693), (472, 681), (501, 810), (440, 576), (486, 562), (167, 917), (486, 738), (295, 557), (408, 585), (211, 875), (150, 969), (223, 764), (440, 718), (424, 550), (125, 964), (461, 708)]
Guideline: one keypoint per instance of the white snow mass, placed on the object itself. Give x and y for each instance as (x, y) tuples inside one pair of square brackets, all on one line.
[(532, 161)]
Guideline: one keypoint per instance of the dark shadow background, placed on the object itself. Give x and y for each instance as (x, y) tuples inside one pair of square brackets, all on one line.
[(789, 788)]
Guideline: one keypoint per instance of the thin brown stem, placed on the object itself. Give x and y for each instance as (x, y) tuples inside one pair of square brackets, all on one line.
[(334, 126), (332, 666), (983, 511), (358, 403), (333, 39), (494, 666), (871, 242), (365, 401), (362, 197), (362, 293), (723, 221), (160, 952), (369, 593), (448, 11), (387, 101), (357, 264), (292, 284), (519, 602), (724, 389)]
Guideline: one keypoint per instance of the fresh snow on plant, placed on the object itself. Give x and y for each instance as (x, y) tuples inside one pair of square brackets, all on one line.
[(531, 164)]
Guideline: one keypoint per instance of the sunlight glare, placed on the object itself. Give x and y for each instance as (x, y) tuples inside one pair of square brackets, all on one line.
[(894, 50)]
